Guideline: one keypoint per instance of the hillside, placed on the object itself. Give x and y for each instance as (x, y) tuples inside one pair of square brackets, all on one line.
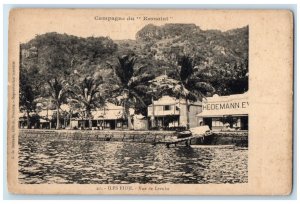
[(224, 55), (209, 47)]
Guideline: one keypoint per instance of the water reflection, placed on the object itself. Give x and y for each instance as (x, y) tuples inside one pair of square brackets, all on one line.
[(97, 162)]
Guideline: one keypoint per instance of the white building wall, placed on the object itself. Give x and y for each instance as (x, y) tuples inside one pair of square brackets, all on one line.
[(159, 110), (73, 124)]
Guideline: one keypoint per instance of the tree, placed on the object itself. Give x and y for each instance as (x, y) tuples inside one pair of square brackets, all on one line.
[(159, 86), (130, 83), (60, 54), (89, 94), (27, 96), (239, 80), (230, 78), (191, 86), (58, 90)]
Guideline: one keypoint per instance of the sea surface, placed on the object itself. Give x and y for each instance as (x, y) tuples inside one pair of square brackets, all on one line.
[(44, 160)]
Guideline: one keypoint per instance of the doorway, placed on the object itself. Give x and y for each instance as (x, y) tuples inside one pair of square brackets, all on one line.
[(208, 121)]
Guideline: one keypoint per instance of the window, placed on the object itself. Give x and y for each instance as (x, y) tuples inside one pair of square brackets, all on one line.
[(167, 108), (119, 124), (216, 122)]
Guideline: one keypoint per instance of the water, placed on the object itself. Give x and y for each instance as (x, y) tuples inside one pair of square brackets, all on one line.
[(97, 162)]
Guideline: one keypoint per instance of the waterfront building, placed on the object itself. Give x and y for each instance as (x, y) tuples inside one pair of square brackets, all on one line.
[(225, 112), (41, 119), (110, 117), (171, 112), (23, 120), (45, 118)]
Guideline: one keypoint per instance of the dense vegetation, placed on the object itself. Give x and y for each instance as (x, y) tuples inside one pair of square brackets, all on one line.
[(85, 72)]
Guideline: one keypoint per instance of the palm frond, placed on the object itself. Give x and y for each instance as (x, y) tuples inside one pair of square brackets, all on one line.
[(138, 98), (124, 69), (204, 87), (141, 89), (142, 79), (186, 67)]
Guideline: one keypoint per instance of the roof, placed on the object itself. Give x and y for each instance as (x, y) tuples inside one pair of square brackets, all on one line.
[(219, 106), (44, 113), (110, 112), (107, 114), (217, 98), (65, 107), (168, 100), (24, 114), (43, 121)]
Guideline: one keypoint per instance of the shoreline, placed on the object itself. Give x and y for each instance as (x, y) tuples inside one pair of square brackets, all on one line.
[(149, 136)]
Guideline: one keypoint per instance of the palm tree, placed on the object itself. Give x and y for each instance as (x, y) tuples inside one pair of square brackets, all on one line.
[(27, 99), (130, 84), (88, 93), (191, 83), (58, 91)]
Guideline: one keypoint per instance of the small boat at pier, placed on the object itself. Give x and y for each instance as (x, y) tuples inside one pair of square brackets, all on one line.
[(201, 132)]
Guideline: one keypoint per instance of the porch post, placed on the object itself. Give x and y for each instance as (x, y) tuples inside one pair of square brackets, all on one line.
[(153, 114)]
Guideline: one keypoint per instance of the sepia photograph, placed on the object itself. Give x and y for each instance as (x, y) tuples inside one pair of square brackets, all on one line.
[(170, 106), (134, 98)]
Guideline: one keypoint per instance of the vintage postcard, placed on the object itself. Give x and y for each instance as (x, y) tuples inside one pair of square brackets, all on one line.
[(150, 102)]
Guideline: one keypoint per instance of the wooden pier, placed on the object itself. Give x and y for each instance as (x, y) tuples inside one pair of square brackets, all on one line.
[(168, 143)]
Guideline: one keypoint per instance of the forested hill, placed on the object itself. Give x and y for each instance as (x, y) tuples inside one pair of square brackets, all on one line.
[(209, 47), (224, 55)]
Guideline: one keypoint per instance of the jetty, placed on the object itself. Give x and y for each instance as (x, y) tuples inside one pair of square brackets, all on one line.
[(175, 142)]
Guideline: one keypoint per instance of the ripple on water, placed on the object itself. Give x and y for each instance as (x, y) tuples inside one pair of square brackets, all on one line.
[(97, 162)]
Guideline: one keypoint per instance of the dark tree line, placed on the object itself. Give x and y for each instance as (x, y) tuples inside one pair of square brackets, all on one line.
[(60, 69)]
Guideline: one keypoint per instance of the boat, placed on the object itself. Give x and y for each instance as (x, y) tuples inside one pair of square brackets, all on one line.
[(183, 134), (200, 131)]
